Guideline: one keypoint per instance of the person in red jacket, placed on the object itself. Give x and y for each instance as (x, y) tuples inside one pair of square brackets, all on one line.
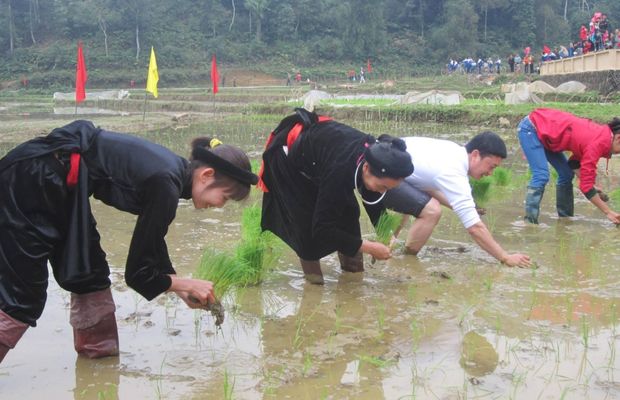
[(583, 33), (544, 135)]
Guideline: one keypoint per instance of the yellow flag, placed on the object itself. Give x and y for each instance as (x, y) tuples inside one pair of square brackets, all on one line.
[(153, 77)]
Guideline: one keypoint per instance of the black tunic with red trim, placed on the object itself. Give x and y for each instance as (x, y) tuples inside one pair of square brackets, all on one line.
[(42, 219), (310, 202)]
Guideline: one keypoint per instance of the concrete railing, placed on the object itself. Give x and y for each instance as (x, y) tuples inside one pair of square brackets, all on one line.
[(606, 60)]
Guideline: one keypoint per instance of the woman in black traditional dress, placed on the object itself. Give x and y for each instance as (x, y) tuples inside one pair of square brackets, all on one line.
[(45, 216), (312, 167)]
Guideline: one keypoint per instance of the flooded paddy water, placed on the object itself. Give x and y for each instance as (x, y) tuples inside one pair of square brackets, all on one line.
[(451, 323)]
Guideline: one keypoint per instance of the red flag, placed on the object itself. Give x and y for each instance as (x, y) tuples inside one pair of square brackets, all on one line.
[(368, 66), (546, 49), (80, 76), (215, 77)]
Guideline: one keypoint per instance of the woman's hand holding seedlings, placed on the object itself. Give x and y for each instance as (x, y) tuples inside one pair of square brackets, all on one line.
[(376, 249), (196, 293)]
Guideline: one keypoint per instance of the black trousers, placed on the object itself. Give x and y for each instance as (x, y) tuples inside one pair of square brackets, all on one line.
[(35, 205)]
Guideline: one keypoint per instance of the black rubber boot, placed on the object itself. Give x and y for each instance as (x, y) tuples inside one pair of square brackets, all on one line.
[(11, 330), (312, 271), (565, 200), (95, 333), (532, 203), (351, 264)]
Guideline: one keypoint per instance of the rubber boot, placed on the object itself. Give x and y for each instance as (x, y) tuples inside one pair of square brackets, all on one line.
[(351, 264), (95, 333), (312, 271), (565, 200), (11, 330), (532, 203)]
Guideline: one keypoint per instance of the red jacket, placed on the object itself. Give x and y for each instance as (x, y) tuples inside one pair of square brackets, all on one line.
[(588, 141)]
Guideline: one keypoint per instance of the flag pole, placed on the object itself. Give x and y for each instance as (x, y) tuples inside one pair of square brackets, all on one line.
[(144, 108)]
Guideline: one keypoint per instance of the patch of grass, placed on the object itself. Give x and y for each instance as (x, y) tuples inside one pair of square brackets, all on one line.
[(372, 102)]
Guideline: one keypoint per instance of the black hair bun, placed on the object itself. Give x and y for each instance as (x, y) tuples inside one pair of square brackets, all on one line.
[(396, 142), (203, 142)]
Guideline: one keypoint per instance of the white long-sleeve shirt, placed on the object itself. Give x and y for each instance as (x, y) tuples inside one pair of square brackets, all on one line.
[(442, 165)]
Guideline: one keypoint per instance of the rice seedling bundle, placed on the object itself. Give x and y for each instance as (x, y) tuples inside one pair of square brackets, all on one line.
[(248, 262), (480, 189), (502, 176), (387, 225)]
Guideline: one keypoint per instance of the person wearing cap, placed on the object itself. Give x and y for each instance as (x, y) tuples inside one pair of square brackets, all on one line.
[(544, 135), (46, 216), (441, 177), (313, 167)]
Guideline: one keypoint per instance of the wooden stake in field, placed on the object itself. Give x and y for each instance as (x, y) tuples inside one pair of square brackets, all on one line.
[(80, 77), (151, 80)]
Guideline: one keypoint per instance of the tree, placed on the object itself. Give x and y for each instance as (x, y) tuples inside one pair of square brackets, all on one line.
[(458, 33), (523, 12), (366, 36), (258, 9), (11, 28)]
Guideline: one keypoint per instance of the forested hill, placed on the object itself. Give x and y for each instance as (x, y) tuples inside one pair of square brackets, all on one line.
[(38, 36)]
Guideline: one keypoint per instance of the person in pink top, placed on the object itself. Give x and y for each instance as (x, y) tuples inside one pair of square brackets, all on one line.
[(544, 135)]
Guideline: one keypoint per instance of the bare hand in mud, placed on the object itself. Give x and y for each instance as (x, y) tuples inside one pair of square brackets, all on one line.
[(518, 260), (196, 293), (613, 217), (378, 250)]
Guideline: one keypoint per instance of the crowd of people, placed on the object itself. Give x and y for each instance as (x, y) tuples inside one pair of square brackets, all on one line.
[(480, 66), (316, 172), (596, 37)]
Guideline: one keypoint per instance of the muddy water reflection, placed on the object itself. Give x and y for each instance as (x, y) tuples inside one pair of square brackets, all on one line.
[(447, 324)]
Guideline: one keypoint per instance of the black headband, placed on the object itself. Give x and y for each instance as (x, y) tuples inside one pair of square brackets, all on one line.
[(223, 166)]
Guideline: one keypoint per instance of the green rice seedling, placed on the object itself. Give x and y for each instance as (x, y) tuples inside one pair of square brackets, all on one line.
[(554, 175), (228, 386), (298, 339), (480, 190), (377, 362), (416, 334), (585, 332), (255, 164), (502, 176), (387, 225), (307, 364)]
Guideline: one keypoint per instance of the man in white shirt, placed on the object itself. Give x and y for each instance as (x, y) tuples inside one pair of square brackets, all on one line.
[(440, 177)]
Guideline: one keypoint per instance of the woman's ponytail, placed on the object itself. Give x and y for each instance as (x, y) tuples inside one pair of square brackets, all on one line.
[(614, 125)]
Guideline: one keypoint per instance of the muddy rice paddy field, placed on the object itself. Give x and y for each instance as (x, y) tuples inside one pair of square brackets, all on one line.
[(451, 323)]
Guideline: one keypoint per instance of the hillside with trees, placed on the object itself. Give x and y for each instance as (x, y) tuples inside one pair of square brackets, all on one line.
[(38, 37)]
